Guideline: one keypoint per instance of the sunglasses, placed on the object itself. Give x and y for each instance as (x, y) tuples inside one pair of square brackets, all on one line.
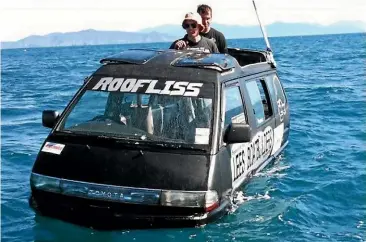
[(186, 26)]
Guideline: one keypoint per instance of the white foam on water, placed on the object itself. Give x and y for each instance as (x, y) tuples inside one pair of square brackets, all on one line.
[(192, 236), (239, 198), (258, 218), (360, 224), (280, 217)]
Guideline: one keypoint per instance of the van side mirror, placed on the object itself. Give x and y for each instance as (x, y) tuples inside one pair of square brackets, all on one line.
[(237, 133), (49, 118)]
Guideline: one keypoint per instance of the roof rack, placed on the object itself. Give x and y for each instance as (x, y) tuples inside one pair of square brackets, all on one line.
[(132, 56), (215, 61)]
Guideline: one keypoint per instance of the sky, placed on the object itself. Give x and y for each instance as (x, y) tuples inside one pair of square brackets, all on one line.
[(21, 18)]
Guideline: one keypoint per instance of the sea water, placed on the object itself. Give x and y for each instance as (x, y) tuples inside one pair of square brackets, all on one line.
[(316, 190)]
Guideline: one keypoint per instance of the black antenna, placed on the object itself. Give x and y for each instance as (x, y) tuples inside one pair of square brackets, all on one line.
[(270, 53)]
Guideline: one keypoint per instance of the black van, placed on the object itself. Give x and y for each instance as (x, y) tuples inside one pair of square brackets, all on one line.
[(161, 137)]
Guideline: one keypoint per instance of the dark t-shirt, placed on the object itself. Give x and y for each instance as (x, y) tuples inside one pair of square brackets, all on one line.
[(204, 44), (218, 38)]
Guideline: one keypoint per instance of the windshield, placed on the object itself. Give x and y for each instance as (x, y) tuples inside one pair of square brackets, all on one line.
[(143, 115)]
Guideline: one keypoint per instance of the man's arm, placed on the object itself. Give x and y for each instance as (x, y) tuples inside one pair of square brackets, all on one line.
[(179, 44), (172, 46)]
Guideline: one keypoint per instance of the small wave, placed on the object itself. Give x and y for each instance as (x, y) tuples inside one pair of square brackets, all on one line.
[(322, 86), (280, 217), (273, 172), (355, 236), (257, 218), (21, 121)]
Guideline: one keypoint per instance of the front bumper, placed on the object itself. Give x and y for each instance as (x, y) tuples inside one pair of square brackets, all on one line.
[(111, 215)]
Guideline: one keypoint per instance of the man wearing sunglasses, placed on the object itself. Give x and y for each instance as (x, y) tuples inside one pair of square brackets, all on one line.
[(192, 23), (216, 36)]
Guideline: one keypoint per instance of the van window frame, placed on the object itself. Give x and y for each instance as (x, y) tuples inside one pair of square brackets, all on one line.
[(268, 96), (230, 84), (281, 85), (270, 82), (260, 79)]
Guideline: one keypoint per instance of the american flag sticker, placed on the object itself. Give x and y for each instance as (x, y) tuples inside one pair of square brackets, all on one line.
[(53, 148)]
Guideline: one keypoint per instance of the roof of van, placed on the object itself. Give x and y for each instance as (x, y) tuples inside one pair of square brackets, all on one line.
[(185, 65)]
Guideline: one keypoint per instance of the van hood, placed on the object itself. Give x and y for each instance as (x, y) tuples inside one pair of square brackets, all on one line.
[(111, 164)]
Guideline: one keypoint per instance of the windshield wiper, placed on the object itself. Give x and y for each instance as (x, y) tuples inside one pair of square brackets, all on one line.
[(100, 135), (144, 139), (68, 132), (172, 143)]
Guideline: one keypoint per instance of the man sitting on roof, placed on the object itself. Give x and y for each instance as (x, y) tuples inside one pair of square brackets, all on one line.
[(193, 40)]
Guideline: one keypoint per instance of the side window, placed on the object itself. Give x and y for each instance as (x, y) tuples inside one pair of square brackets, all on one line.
[(259, 98), (276, 91), (275, 88), (234, 111), (266, 101)]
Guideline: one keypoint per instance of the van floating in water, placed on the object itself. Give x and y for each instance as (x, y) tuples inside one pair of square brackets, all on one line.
[(161, 137)]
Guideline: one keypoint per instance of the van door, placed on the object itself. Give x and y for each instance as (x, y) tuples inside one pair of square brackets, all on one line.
[(232, 110), (253, 156), (246, 101)]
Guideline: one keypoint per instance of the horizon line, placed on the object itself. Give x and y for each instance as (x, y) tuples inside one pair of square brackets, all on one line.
[(259, 37), (213, 23)]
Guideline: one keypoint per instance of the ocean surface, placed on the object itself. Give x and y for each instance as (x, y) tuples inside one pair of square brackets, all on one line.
[(316, 191)]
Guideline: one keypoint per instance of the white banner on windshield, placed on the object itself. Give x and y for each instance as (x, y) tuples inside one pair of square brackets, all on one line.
[(148, 86)]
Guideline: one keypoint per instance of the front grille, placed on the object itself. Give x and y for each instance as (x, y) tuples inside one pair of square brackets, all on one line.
[(49, 200)]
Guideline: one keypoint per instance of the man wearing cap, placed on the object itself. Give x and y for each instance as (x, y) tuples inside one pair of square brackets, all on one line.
[(192, 23), (216, 36)]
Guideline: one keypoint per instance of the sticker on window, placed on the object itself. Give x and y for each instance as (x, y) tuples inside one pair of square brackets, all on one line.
[(53, 148), (202, 136)]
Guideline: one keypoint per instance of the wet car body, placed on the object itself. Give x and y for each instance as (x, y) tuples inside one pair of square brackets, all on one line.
[(161, 138)]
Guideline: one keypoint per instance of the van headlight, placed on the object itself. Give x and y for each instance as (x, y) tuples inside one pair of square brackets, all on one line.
[(45, 183), (208, 199)]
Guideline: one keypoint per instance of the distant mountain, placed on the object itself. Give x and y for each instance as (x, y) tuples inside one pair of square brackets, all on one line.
[(167, 33), (275, 29), (87, 37)]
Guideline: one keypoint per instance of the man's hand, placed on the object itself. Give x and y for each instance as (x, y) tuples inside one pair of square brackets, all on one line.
[(180, 44)]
